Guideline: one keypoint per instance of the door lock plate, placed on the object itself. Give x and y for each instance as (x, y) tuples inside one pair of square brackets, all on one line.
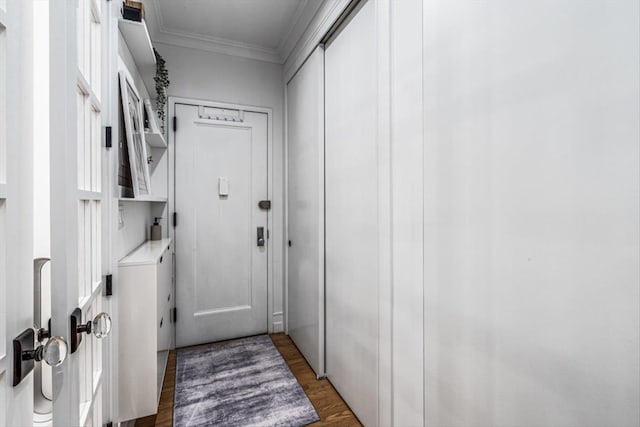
[(74, 334), (260, 241), (23, 343)]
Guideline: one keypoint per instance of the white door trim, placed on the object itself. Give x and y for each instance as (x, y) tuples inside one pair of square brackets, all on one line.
[(171, 184)]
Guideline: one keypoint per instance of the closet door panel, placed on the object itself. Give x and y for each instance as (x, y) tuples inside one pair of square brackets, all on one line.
[(305, 157), (351, 214)]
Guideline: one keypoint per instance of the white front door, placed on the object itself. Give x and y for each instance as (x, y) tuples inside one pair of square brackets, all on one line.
[(16, 206), (221, 260), (77, 153)]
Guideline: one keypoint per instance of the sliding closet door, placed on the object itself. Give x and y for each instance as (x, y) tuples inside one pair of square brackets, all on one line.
[(351, 214), (305, 160)]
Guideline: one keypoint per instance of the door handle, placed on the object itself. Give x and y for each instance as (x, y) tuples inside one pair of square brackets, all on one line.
[(25, 353), (100, 327), (260, 236)]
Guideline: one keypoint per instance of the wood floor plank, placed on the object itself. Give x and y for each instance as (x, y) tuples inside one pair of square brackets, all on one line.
[(331, 409)]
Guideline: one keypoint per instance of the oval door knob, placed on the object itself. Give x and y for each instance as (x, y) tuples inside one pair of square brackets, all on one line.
[(54, 352), (101, 325)]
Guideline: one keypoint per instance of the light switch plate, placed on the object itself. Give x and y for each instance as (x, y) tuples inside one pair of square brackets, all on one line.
[(223, 186)]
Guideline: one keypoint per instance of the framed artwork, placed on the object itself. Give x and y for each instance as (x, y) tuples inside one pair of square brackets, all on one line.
[(134, 129), (151, 124)]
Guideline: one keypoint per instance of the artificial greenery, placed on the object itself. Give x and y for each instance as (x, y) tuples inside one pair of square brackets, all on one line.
[(162, 82)]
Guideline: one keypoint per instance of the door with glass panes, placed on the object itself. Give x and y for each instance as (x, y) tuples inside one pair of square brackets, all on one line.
[(16, 209), (79, 31)]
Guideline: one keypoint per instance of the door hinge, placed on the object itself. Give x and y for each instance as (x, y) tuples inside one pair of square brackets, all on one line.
[(108, 285), (267, 233), (110, 423), (175, 123), (175, 219), (108, 130), (175, 314)]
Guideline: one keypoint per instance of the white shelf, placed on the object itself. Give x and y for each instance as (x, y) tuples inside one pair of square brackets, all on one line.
[(147, 253), (146, 198), (136, 35), (155, 139)]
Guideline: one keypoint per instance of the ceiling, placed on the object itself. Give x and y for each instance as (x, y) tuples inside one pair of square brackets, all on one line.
[(260, 29)]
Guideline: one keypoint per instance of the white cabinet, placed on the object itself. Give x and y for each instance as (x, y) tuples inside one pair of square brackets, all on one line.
[(145, 301)]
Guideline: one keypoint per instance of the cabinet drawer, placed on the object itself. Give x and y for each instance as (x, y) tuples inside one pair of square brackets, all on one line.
[(164, 291), (164, 329)]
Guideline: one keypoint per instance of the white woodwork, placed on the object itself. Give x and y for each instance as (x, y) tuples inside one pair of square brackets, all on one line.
[(16, 202), (144, 198), (263, 31), (324, 18), (136, 35), (305, 211), (222, 282), (407, 211), (351, 220), (532, 297), (145, 300), (77, 205), (155, 139)]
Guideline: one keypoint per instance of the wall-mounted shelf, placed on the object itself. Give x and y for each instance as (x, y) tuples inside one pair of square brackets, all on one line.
[(145, 198), (155, 139), (136, 35)]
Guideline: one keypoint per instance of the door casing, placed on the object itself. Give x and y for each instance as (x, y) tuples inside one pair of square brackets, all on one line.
[(172, 176)]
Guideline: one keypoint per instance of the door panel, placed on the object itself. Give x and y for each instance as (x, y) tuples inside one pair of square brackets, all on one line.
[(221, 271), (305, 199), (16, 204), (351, 220), (76, 158)]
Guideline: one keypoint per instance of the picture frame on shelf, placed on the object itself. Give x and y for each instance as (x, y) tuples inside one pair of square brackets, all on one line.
[(151, 118), (134, 128)]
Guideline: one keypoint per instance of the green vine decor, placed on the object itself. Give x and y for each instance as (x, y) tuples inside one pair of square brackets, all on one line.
[(162, 83)]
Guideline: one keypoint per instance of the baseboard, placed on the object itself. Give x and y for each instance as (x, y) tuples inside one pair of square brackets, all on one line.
[(277, 322)]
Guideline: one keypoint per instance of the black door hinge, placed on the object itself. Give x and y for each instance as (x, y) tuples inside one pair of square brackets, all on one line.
[(108, 286), (175, 219), (175, 314), (175, 123), (107, 136)]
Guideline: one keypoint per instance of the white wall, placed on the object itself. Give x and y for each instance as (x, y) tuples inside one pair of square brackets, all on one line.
[(531, 225), (217, 77)]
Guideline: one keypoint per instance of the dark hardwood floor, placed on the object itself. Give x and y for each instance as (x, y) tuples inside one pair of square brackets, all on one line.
[(332, 410)]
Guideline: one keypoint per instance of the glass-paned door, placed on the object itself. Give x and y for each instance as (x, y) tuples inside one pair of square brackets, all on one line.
[(77, 200), (16, 208)]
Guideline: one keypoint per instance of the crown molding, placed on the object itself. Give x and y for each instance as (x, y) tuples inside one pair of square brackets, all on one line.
[(327, 14), (217, 45), (160, 34)]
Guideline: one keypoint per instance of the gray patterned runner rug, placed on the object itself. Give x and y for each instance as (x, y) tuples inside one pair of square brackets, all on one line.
[(244, 382)]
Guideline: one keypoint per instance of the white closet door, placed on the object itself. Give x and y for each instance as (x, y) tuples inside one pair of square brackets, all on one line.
[(305, 157), (351, 214)]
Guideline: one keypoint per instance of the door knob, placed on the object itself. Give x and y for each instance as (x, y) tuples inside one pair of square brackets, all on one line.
[(25, 353), (53, 352), (100, 327)]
